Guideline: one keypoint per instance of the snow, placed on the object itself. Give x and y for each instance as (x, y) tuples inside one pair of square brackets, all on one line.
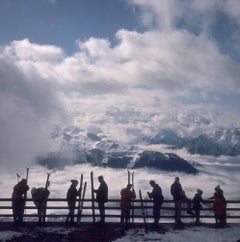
[(196, 234), (34, 233), (7, 235)]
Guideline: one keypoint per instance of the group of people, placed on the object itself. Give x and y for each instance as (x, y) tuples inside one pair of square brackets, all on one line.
[(40, 196), (179, 196)]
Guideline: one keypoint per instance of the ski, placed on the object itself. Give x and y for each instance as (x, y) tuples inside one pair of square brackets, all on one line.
[(47, 181), (25, 194), (27, 172), (47, 184), (18, 177), (92, 197), (81, 204), (131, 181), (80, 197), (133, 201)]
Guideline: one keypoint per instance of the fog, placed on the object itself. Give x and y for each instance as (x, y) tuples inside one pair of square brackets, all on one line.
[(29, 106), (223, 171)]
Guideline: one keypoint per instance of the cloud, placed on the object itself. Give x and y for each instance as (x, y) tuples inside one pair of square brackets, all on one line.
[(219, 20), (29, 105), (26, 51), (213, 171)]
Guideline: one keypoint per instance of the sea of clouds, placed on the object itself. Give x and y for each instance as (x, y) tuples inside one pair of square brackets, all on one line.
[(223, 171)]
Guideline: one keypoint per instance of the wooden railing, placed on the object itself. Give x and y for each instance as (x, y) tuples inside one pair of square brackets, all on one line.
[(57, 210)]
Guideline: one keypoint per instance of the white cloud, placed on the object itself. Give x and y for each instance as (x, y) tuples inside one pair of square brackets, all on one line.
[(29, 105), (24, 50)]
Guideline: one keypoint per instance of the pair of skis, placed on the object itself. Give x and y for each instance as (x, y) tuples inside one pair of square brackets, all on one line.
[(25, 194), (18, 176), (144, 211), (131, 181), (81, 193)]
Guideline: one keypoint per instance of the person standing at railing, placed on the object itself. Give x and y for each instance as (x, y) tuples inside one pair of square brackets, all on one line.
[(219, 210), (72, 194), (40, 196), (102, 198), (197, 205), (157, 197), (179, 196), (219, 207), (18, 201), (127, 195)]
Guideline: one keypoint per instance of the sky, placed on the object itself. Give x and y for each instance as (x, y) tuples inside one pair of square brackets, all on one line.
[(115, 66)]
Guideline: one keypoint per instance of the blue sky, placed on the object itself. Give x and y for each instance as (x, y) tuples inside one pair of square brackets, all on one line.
[(62, 22), (125, 68)]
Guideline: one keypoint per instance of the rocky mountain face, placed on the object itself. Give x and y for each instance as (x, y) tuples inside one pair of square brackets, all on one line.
[(166, 161), (75, 146), (222, 142)]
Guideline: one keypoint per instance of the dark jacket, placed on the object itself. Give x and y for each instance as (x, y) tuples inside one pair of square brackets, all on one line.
[(20, 190), (197, 200), (156, 194), (176, 191), (40, 196), (102, 192), (72, 194)]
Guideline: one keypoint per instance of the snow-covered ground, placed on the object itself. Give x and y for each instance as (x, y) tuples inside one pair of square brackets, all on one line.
[(193, 234)]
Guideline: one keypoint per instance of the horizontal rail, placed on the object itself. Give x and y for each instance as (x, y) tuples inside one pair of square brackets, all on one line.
[(114, 200), (57, 208)]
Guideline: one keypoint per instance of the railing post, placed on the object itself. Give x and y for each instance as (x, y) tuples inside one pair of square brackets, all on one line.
[(92, 195)]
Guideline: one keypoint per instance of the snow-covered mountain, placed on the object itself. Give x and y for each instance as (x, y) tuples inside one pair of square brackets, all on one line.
[(72, 145), (75, 146), (221, 142)]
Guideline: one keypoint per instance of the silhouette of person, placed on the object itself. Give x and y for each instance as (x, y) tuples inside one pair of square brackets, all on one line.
[(197, 205), (18, 200), (40, 196), (179, 196), (72, 194), (219, 210), (127, 195), (219, 207), (157, 197), (102, 198)]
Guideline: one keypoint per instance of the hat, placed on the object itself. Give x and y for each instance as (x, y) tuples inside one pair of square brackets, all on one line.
[(217, 187), (129, 185), (74, 181), (152, 182), (24, 180), (199, 191)]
